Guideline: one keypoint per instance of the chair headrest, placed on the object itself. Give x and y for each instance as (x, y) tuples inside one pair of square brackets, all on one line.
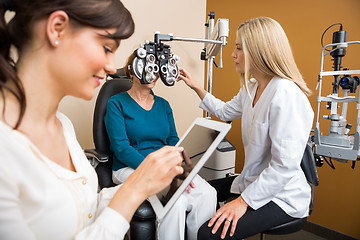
[(120, 73), (109, 88)]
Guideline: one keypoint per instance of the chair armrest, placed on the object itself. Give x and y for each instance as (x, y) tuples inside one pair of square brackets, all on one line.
[(95, 156)]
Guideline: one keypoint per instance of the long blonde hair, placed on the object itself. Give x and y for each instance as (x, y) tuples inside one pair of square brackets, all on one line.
[(267, 48)]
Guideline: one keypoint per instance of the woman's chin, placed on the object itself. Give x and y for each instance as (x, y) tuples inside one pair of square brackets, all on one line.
[(86, 96)]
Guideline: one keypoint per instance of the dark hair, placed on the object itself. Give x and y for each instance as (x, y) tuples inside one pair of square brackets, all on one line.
[(18, 32)]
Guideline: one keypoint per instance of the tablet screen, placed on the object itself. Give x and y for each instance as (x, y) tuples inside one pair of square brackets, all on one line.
[(196, 143)]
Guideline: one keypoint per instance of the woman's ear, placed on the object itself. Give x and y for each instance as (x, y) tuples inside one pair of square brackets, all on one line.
[(57, 25)]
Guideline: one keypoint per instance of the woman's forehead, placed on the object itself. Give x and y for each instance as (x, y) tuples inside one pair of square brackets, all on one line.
[(238, 38)]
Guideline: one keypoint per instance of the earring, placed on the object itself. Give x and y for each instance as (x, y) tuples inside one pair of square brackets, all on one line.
[(56, 42)]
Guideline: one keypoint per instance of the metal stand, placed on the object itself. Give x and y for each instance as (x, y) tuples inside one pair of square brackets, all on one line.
[(338, 144), (215, 39)]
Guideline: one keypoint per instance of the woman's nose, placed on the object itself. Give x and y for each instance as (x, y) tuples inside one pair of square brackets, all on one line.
[(109, 68), (233, 54), (110, 65)]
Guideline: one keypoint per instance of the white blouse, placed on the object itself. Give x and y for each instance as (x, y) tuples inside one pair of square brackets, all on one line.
[(41, 200), (274, 132)]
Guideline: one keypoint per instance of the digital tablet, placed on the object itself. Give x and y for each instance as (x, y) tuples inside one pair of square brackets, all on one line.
[(199, 142)]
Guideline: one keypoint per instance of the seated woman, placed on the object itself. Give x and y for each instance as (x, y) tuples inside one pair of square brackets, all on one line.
[(138, 123)]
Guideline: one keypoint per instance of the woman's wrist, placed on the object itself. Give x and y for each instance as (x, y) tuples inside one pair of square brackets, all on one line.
[(200, 91), (242, 201)]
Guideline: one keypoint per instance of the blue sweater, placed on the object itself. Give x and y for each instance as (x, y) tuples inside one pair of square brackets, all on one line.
[(135, 132)]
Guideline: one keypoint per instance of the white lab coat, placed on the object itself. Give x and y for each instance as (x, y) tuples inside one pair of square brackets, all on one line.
[(274, 132)]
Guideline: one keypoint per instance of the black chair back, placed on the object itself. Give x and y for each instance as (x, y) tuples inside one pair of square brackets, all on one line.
[(110, 88), (309, 168), (101, 139)]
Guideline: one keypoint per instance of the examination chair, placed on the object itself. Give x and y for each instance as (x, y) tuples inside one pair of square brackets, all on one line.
[(309, 168), (142, 225)]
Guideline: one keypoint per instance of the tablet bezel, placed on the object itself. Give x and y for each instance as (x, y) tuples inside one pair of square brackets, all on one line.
[(223, 129)]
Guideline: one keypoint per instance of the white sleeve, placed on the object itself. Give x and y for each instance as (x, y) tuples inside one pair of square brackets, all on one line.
[(225, 111), (291, 119), (108, 223)]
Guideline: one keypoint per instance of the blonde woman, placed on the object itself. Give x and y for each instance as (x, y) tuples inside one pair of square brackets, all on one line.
[(276, 122)]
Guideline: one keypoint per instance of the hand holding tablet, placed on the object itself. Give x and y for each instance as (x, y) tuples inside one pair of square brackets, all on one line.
[(199, 142)]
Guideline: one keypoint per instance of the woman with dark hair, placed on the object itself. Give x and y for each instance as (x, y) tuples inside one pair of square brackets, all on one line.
[(48, 189)]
